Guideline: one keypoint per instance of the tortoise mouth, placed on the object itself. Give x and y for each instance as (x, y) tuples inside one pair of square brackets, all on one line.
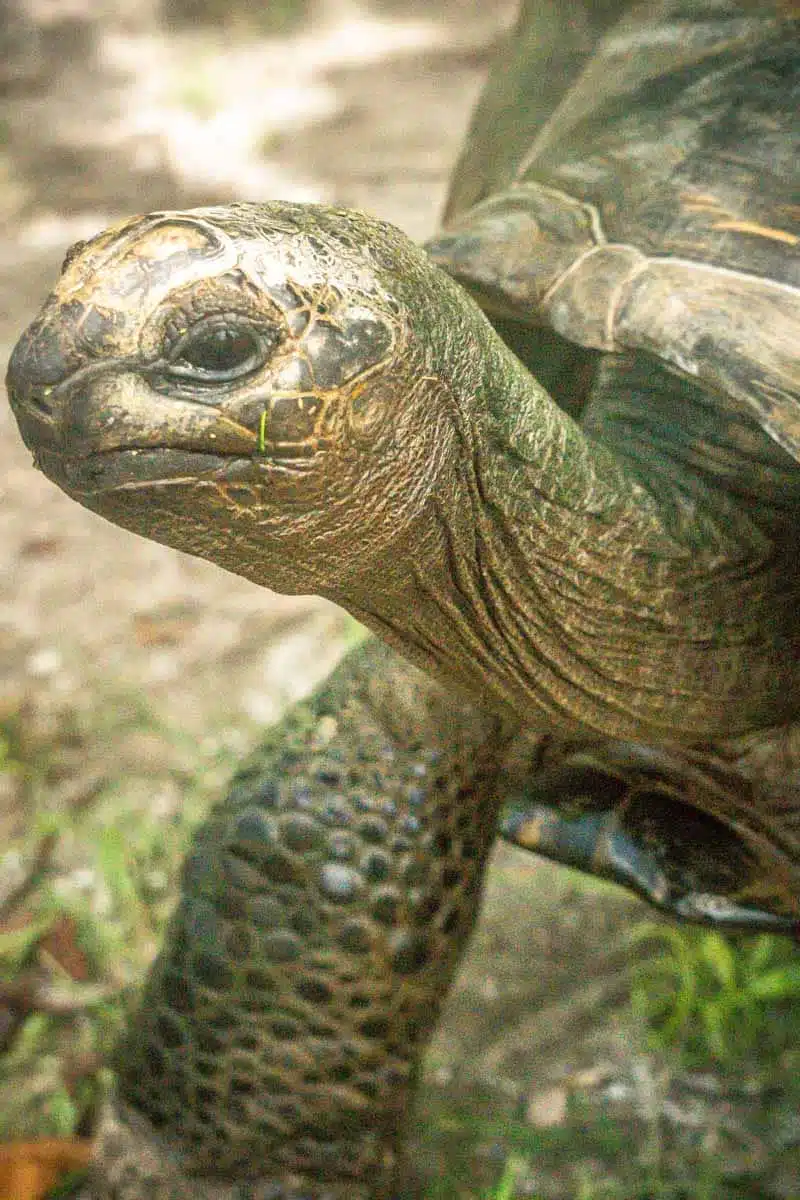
[(148, 467)]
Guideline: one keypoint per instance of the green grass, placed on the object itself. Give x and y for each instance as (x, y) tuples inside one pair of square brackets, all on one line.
[(707, 998), (506, 1185), (86, 890), (708, 1007)]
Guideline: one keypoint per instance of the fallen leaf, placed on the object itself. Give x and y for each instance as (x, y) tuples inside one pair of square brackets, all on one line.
[(61, 943), (29, 1169)]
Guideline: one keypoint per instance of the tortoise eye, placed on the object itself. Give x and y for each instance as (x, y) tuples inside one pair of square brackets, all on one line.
[(219, 349)]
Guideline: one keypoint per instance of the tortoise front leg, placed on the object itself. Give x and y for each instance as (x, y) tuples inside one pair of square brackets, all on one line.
[(324, 908)]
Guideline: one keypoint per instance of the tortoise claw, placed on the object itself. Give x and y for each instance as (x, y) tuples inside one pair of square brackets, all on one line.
[(647, 839)]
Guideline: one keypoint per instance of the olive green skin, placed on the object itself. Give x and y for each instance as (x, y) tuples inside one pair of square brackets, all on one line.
[(604, 611)]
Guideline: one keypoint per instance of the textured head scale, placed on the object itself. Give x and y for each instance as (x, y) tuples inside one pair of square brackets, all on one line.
[(261, 355)]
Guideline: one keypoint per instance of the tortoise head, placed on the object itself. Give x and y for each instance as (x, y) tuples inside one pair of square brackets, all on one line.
[(243, 383)]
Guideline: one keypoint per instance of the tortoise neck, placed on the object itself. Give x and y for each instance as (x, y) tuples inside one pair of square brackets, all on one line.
[(544, 575)]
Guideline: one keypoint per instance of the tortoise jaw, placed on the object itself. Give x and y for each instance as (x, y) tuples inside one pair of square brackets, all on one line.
[(84, 475), (144, 468)]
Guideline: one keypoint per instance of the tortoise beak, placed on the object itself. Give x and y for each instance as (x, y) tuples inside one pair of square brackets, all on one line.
[(43, 358)]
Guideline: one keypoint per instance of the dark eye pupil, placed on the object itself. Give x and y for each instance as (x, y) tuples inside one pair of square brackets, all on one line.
[(219, 351)]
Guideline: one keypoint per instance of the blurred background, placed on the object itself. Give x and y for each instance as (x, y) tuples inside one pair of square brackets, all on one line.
[(589, 1051)]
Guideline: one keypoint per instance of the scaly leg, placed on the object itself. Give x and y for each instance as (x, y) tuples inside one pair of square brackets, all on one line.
[(324, 908)]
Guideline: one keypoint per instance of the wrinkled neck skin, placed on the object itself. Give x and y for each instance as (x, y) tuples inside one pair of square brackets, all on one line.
[(634, 578), (543, 574)]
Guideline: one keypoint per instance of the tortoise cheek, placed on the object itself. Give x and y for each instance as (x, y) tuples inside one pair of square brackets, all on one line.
[(350, 344), (290, 424), (366, 414)]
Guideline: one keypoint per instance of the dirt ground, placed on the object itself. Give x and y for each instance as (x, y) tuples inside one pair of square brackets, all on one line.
[(107, 109)]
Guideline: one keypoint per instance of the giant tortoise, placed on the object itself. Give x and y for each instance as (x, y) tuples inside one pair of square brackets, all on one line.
[(550, 460)]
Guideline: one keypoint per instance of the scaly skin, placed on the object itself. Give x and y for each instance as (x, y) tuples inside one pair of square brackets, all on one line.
[(376, 442), (323, 910), (390, 453)]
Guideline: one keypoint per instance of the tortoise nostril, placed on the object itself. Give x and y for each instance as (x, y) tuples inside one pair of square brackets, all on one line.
[(72, 254), (40, 401)]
